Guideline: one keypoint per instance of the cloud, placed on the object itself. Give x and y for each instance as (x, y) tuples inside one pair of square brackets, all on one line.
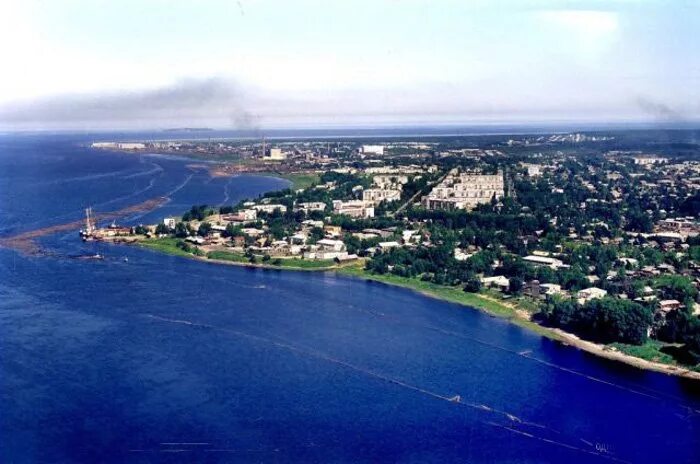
[(583, 21), (191, 99), (590, 30)]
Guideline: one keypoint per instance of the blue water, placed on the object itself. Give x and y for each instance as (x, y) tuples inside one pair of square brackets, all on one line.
[(163, 359)]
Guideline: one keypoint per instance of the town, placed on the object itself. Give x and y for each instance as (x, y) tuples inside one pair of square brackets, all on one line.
[(593, 234)]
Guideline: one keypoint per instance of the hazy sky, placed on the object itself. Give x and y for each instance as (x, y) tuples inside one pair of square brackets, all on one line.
[(147, 64)]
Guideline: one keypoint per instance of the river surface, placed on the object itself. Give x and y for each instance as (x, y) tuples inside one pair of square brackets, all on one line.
[(164, 359)]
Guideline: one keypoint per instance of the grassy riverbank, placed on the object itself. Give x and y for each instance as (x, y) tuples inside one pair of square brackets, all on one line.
[(651, 351), (490, 304), (288, 263), (299, 180), (168, 245), (649, 356), (165, 245)]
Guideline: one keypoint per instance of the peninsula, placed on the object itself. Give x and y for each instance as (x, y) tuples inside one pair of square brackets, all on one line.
[(587, 238)]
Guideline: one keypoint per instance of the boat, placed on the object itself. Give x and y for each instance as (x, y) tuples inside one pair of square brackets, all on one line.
[(95, 256), (87, 233)]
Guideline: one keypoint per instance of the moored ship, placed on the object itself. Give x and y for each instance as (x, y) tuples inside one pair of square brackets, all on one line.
[(87, 233)]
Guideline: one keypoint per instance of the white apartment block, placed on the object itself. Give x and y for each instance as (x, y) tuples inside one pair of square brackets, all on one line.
[(384, 180), (465, 191), (310, 206), (277, 154), (649, 160), (372, 149), (270, 208), (376, 196), (353, 208)]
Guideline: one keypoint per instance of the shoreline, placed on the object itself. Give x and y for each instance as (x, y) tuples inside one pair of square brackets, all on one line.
[(475, 301)]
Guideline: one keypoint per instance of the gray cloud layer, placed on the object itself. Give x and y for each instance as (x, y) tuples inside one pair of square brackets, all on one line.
[(222, 102)]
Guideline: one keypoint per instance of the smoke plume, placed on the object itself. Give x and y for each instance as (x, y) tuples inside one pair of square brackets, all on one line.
[(211, 99), (660, 111)]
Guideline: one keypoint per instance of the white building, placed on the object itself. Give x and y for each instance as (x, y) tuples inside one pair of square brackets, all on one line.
[(385, 180), (310, 206), (253, 232), (244, 215), (169, 222), (533, 170), (588, 294), (384, 246), (276, 154), (648, 160), (500, 282), (551, 289), (270, 208), (376, 196), (327, 249), (331, 245), (372, 149), (537, 260), (131, 146), (120, 145), (460, 255), (465, 191), (353, 208)]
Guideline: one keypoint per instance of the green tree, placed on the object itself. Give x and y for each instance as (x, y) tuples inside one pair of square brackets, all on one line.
[(515, 285), (614, 320), (204, 229), (604, 320), (233, 231), (677, 287), (472, 284), (162, 229), (181, 230)]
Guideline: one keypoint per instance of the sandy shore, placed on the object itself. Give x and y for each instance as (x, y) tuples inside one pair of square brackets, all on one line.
[(608, 353)]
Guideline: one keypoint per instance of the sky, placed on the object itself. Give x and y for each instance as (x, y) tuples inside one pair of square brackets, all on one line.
[(251, 64)]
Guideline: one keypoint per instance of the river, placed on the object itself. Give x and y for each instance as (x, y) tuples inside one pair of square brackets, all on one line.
[(163, 359)]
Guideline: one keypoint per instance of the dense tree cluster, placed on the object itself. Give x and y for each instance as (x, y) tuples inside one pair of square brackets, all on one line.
[(603, 320), (198, 213)]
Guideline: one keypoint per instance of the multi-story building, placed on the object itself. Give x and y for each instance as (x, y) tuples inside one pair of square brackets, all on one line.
[(465, 191), (271, 208), (310, 206), (388, 180), (353, 208), (243, 215), (376, 196), (372, 149), (277, 154), (648, 160)]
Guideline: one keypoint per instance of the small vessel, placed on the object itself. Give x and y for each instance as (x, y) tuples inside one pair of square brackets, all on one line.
[(86, 233), (126, 260), (455, 399), (95, 256)]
